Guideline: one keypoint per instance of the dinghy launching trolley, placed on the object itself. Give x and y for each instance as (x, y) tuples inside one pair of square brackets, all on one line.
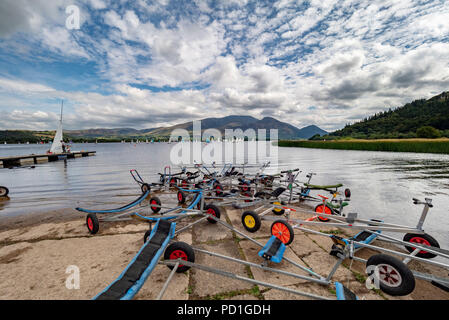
[(94, 217), (389, 269), (128, 284)]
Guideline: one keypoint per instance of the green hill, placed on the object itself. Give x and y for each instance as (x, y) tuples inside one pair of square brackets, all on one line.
[(402, 122)]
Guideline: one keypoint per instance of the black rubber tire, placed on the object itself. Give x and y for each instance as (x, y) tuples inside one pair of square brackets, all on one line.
[(218, 189), (216, 213), (147, 234), (173, 182), (348, 193), (158, 202), (257, 221), (280, 212), (4, 192), (92, 223), (407, 280), (145, 187), (181, 196), (260, 195), (244, 187), (427, 238), (290, 229), (183, 247)]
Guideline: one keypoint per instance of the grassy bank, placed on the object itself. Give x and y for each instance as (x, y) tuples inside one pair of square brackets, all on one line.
[(390, 145)]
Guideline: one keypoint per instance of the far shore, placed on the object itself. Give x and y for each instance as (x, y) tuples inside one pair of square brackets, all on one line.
[(418, 145)]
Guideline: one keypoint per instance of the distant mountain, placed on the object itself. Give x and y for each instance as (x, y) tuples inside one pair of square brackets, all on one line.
[(310, 131), (402, 122), (285, 130)]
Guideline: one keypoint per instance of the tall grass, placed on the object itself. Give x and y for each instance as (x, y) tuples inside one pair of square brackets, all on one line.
[(392, 145)]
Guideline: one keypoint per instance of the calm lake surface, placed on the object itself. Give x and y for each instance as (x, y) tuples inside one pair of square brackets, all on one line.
[(382, 183)]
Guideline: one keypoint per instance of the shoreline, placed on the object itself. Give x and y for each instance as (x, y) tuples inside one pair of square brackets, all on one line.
[(430, 146)]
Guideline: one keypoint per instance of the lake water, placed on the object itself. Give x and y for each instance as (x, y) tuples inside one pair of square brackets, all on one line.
[(382, 183)]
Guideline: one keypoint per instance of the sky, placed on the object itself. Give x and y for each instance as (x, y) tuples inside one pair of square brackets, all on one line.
[(145, 64)]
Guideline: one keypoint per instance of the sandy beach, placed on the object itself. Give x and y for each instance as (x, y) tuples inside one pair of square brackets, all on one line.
[(35, 253)]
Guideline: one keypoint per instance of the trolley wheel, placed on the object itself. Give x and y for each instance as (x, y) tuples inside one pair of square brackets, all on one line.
[(327, 210), (214, 211), (179, 250), (218, 189), (184, 184), (348, 193), (248, 195), (251, 221), (395, 278), (154, 202), (421, 239), (181, 197), (278, 211), (92, 223), (283, 231), (145, 187), (173, 182), (244, 187), (145, 237), (260, 195), (3, 191)]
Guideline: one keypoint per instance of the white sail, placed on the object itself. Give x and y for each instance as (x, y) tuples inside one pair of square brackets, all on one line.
[(56, 147)]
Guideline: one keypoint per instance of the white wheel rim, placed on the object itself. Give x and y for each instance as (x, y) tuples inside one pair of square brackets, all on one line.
[(388, 275)]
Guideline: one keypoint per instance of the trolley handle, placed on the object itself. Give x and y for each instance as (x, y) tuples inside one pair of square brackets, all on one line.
[(288, 171), (428, 202), (136, 176)]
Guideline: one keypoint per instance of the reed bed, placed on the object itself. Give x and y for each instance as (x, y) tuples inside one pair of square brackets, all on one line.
[(391, 145)]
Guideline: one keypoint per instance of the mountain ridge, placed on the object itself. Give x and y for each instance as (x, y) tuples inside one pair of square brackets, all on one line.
[(285, 130)]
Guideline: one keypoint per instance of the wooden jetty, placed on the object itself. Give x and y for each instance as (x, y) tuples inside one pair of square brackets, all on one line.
[(30, 159)]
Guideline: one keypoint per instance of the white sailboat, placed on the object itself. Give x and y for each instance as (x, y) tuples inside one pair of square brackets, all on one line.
[(56, 146)]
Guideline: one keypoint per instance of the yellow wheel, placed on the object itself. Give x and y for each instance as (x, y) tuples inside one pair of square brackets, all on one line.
[(278, 211), (251, 221)]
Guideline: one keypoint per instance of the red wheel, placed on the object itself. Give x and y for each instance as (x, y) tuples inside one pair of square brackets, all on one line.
[(92, 223), (424, 240), (181, 197), (244, 186), (327, 210), (184, 184), (218, 189), (180, 250), (213, 211), (178, 254), (247, 194), (283, 231), (155, 204), (173, 182)]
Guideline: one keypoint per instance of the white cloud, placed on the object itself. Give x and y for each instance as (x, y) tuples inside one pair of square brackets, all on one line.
[(345, 59)]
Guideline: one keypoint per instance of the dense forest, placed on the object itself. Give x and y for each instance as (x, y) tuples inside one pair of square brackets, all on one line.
[(418, 119)]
